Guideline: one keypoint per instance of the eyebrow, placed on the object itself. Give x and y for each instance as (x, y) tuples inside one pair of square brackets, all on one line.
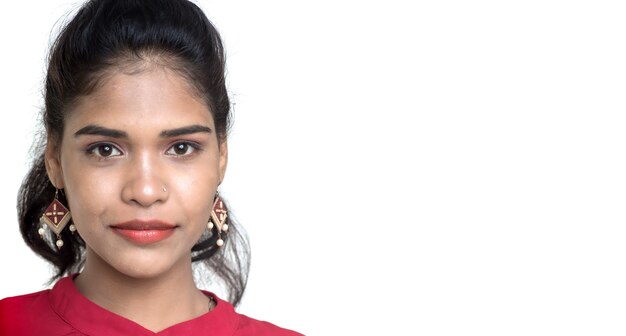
[(99, 130), (185, 130), (113, 133)]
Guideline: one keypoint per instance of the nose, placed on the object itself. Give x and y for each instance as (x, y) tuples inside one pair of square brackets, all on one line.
[(143, 183)]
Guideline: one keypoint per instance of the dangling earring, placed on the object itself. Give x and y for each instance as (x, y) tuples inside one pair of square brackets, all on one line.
[(218, 216), (56, 217)]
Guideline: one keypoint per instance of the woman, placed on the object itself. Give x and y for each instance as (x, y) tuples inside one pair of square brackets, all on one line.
[(125, 192)]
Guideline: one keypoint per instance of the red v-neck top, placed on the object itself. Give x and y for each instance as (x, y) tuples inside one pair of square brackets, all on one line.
[(64, 311)]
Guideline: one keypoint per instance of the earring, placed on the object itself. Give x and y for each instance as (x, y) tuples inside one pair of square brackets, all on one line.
[(56, 217), (218, 219)]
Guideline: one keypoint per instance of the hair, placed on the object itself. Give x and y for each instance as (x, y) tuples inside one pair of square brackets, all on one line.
[(106, 35)]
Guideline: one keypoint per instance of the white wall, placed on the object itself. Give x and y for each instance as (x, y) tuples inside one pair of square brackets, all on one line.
[(418, 168)]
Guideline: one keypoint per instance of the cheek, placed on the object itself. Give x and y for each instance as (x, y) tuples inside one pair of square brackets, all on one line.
[(88, 194), (195, 197), (196, 184)]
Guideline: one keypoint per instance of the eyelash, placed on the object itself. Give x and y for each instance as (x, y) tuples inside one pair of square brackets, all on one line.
[(91, 150), (192, 145)]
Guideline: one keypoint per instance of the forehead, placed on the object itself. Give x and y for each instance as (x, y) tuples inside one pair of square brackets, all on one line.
[(156, 97)]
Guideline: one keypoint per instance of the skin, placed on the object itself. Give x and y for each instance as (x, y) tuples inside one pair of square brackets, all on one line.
[(113, 178)]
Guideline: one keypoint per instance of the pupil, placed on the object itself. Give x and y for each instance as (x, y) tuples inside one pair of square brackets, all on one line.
[(181, 149), (105, 150)]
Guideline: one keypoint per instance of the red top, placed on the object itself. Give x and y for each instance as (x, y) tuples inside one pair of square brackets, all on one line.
[(64, 311)]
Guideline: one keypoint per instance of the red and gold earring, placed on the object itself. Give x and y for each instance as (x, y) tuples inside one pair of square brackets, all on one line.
[(218, 218), (56, 218)]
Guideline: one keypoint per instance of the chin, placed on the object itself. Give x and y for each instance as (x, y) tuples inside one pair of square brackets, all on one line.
[(144, 271), (144, 265), (141, 274)]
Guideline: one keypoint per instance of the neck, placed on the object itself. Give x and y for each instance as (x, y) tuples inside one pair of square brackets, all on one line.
[(147, 301)]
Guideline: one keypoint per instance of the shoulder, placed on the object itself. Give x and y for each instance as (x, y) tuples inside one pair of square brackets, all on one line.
[(250, 326), (30, 314), (16, 313), (18, 304), (236, 324)]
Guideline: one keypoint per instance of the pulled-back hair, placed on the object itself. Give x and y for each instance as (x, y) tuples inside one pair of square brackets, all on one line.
[(105, 35)]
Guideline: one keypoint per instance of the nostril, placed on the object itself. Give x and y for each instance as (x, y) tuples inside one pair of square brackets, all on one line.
[(144, 191)]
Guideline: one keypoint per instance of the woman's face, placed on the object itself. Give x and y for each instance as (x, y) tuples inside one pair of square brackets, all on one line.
[(140, 163)]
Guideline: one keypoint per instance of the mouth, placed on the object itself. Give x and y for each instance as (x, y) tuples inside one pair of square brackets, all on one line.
[(144, 232)]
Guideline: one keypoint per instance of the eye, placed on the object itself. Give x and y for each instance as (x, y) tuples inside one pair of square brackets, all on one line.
[(104, 150), (182, 149)]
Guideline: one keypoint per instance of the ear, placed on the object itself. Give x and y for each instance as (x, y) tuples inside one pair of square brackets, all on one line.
[(53, 164), (223, 148)]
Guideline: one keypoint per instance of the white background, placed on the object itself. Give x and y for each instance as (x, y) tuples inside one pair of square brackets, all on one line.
[(402, 168)]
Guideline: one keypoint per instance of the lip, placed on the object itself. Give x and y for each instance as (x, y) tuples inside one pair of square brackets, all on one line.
[(144, 231)]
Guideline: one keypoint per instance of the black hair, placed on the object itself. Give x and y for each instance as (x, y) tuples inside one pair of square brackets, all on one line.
[(103, 35)]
